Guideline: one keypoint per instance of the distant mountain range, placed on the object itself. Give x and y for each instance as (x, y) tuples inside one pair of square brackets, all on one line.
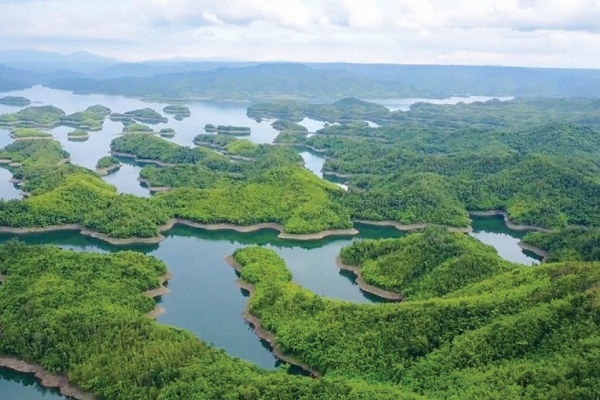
[(86, 73)]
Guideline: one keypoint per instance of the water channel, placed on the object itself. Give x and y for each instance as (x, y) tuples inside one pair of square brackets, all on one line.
[(204, 297)]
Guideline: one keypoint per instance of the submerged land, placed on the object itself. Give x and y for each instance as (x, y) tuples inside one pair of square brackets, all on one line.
[(461, 322)]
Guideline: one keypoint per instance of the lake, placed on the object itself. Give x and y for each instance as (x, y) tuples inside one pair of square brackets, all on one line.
[(204, 297)]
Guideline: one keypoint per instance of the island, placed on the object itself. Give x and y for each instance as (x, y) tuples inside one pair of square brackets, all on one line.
[(167, 132), (142, 115), (179, 112), (91, 119), (17, 101), (78, 135), (107, 164), (27, 133), (233, 130), (35, 117)]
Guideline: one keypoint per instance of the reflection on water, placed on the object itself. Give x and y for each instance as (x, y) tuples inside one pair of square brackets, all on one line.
[(204, 297), (493, 231), (18, 386), (8, 190), (404, 104)]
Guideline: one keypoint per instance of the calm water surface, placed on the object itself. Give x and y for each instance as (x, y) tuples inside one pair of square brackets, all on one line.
[(204, 297)]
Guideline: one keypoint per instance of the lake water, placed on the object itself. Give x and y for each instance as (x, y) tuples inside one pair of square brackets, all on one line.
[(204, 298), (404, 104)]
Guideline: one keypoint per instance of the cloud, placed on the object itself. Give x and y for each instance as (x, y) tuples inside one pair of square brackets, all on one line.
[(509, 32)]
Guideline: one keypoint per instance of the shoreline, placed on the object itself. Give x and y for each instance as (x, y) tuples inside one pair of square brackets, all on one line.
[(154, 189), (259, 226), (61, 382), (142, 160), (108, 170), (267, 225), (366, 287), (84, 231), (46, 378), (412, 227), (162, 289), (535, 250), (507, 221), (262, 333)]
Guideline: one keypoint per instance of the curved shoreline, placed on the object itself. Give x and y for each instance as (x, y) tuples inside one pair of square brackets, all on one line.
[(412, 227), (267, 225), (364, 286), (535, 250), (141, 160), (46, 378), (508, 222), (156, 292), (61, 382), (254, 227), (262, 333), (108, 170), (153, 189), (84, 231)]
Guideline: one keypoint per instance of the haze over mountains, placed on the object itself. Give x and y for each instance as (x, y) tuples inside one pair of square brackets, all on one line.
[(86, 73)]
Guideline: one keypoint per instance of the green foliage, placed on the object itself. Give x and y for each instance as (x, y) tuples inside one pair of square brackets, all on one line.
[(24, 133), (91, 119), (78, 133), (288, 195), (145, 116), (137, 128), (34, 153), (81, 315), (73, 195), (242, 147), (213, 140), (347, 109), (540, 171), (283, 125), (573, 244), (15, 101), (525, 333), (424, 265), (107, 162), (190, 176), (231, 130), (180, 111), (154, 148), (33, 117)]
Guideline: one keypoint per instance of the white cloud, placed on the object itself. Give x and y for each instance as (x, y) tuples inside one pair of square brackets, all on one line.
[(508, 32)]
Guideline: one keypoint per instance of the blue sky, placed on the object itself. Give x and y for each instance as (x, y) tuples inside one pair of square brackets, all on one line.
[(548, 33)]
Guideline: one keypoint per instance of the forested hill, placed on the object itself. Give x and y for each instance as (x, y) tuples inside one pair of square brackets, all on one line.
[(340, 80), (251, 81)]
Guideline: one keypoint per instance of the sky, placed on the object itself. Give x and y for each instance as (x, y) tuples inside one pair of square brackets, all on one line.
[(540, 33)]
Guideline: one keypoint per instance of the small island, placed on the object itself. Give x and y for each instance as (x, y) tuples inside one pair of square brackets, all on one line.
[(137, 128), (28, 133), (167, 132), (91, 119), (233, 130), (78, 135), (106, 165), (210, 128), (179, 112), (41, 117), (145, 116), (17, 101)]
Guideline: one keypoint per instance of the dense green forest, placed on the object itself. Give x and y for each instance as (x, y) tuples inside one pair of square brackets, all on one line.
[(574, 244), (271, 187), (82, 315), (514, 332), (424, 265), (536, 159), (47, 117), (288, 195)]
